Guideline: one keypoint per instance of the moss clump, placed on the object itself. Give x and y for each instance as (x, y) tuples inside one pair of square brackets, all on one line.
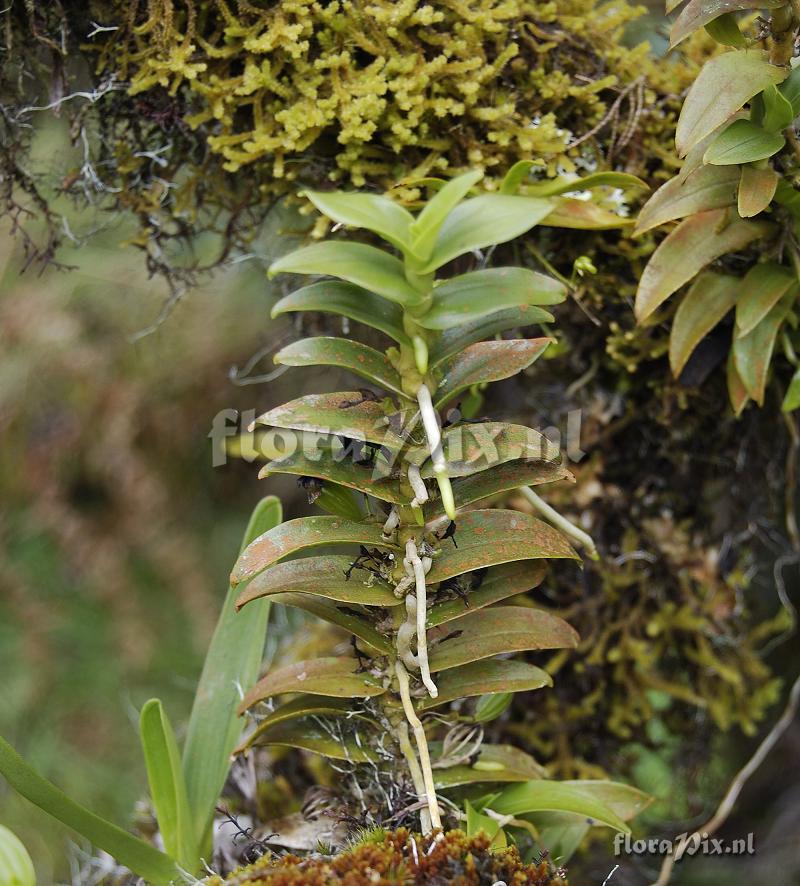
[(401, 857)]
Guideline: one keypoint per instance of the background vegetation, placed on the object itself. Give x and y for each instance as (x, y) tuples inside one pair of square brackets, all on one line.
[(116, 536)]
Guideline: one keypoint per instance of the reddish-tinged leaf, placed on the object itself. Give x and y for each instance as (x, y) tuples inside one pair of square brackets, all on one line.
[(737, 393), (340, 413), (337, 615), (710, 298), (454, 340), (301, 706), (569, 212), (723, 85), (323, 576), (705, 187), (360, 359), (491, 537), (486, 361), (503, 478), (497, 630), (499, 583), (756, 190), (495, 763), (486, 678), (753, 352), (297, 535), (477, 447), (306, 735), (340, 466), (698, 13), (696, 241), (761, 289), (336, 677)]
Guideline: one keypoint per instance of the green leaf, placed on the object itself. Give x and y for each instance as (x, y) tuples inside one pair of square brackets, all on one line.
[(348, 301), (497, 630), (337, 677), (622, 799), (167, 785), (15, 862), (495, 763), (556, 187), (694, 243), (378, 214), (790, 89), (756, 189), (307, 735), (490, 707), (299, 535), (725, 30), (753, 352), (743, 142), (425, 229), (486, 678), (491, 537), (561, 832), (142, 858), (778, 111), (707, 187), (761, 289), (505, 477), (451, 341), (517, 175), (341, 616), (301, 706), (324, 576), (339, 413), (737, 393), (569, 212), (710, 298), (700, 13), (555, 796), (339, 501), (485, 221), (484, 362), (792, 399), (360, 359), (481, 293), (233, 659), (340, 468), (478, 823), (365, 266), (475, 447), (498, 583), (723, 85)]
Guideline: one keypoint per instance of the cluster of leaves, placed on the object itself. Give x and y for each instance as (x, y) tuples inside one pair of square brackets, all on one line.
[(736, 188), (430, 590)]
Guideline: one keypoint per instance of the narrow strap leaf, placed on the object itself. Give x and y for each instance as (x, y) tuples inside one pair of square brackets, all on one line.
[(142, 858)]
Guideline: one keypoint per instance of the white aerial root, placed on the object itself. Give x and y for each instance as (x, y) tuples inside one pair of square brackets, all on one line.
[(392, 522), (418, 485), (430, 422), (416, 776), (422, 746), (412, 556), (570, 529)]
